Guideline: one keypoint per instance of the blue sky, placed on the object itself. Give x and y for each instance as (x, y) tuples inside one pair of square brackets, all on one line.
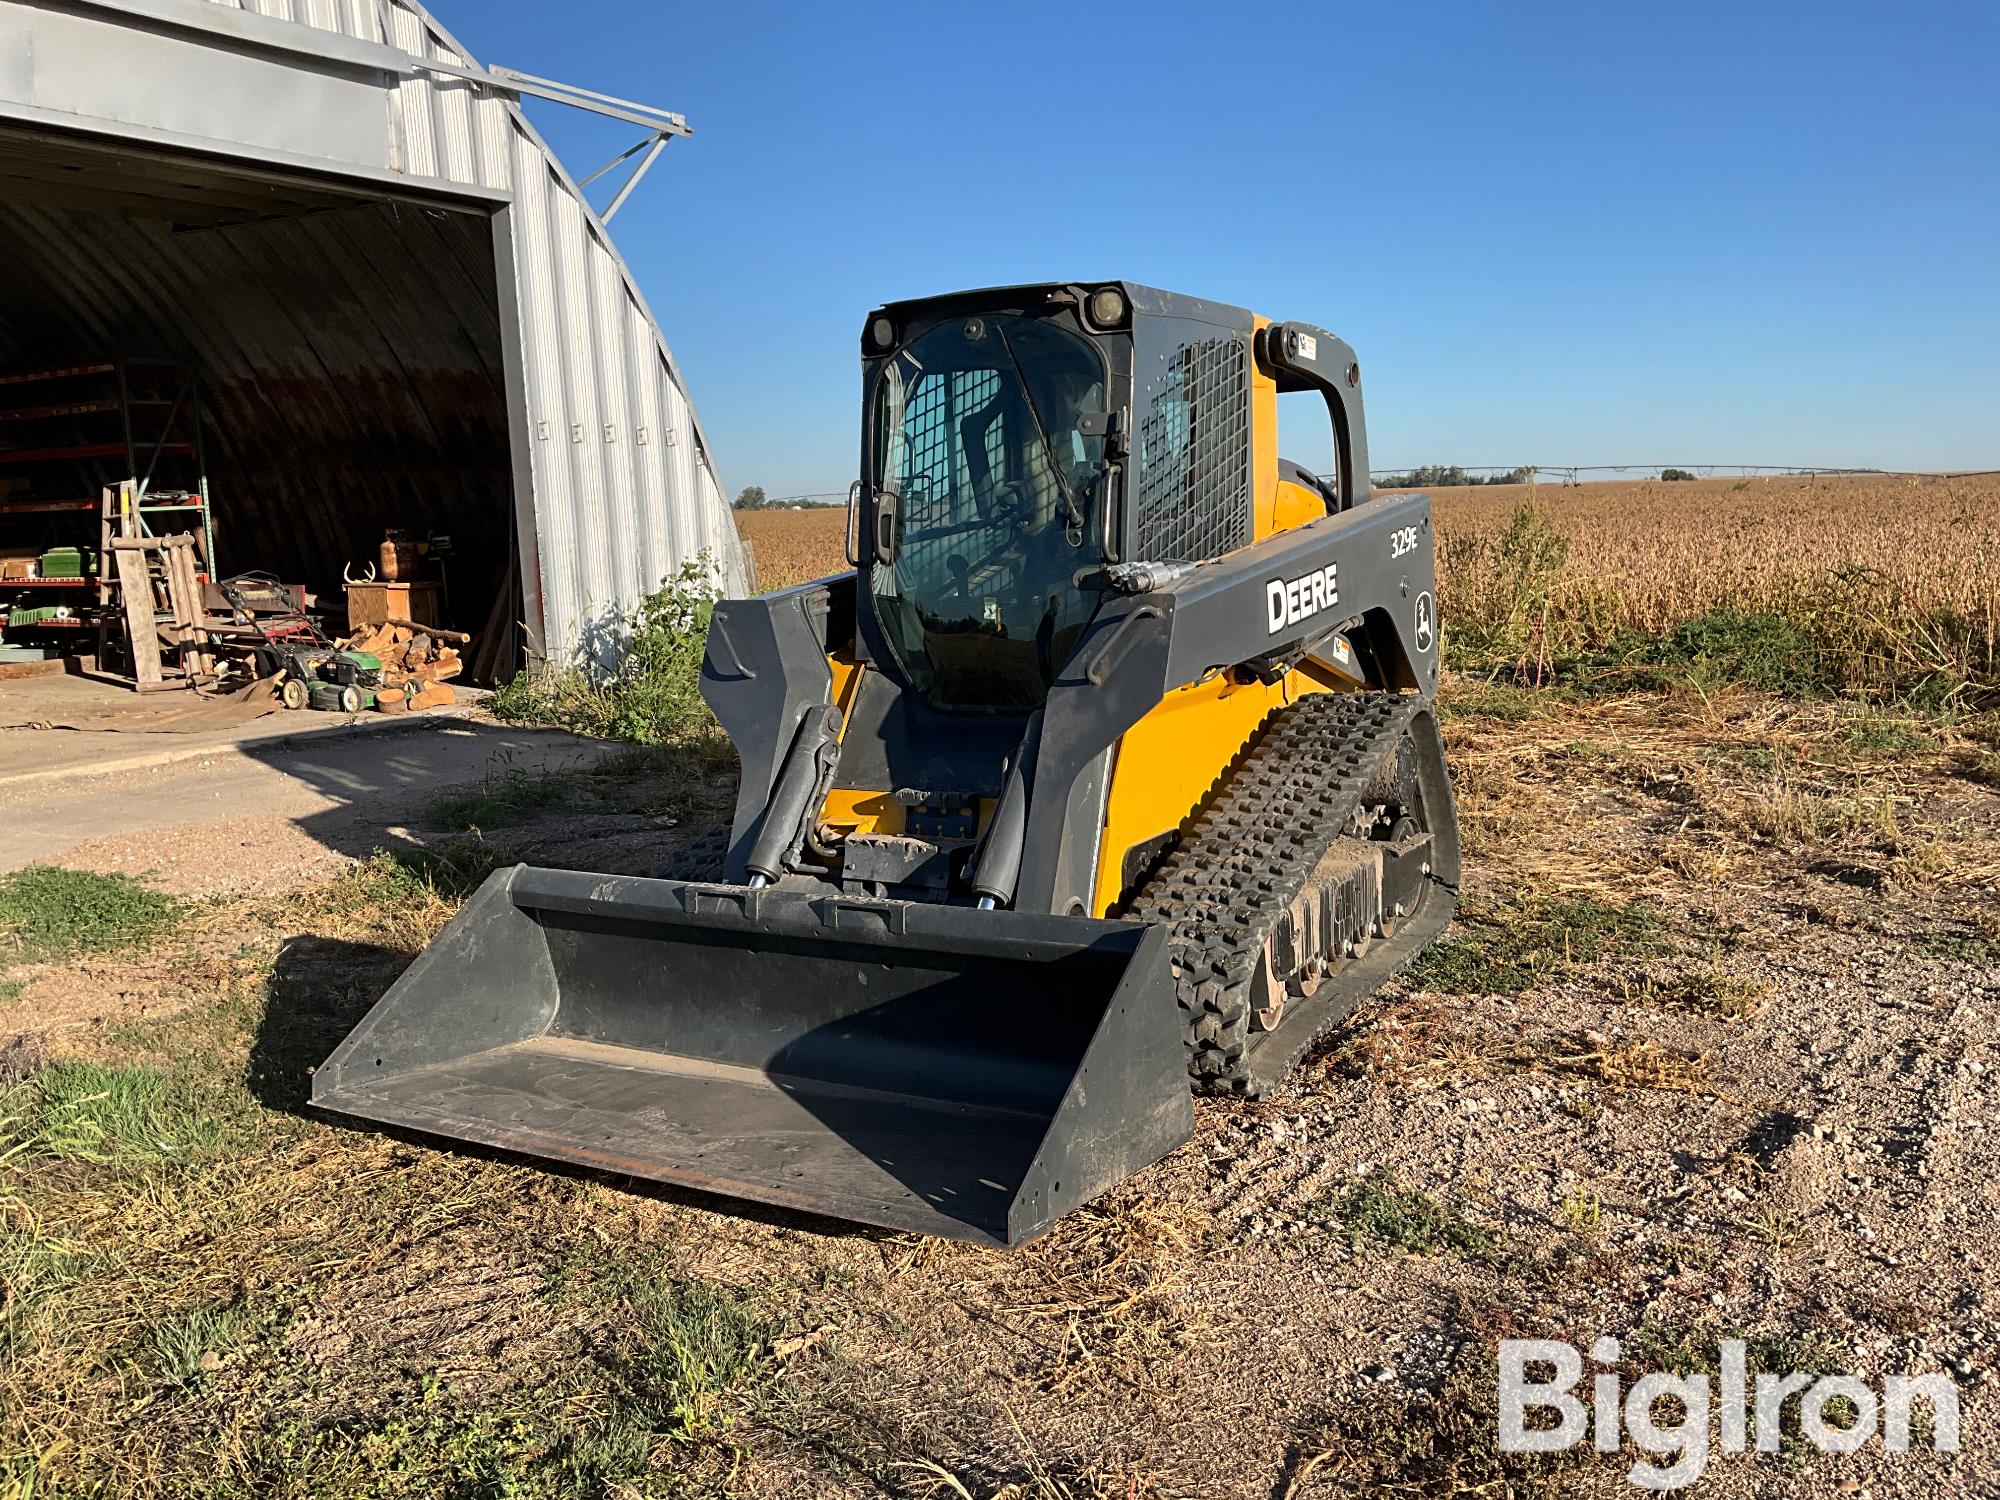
[(1556, 233)]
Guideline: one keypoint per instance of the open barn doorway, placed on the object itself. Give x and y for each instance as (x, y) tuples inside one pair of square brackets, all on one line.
[(297, 367)]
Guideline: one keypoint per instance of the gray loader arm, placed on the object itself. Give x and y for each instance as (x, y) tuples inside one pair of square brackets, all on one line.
[(1372, 568), (765, 671)]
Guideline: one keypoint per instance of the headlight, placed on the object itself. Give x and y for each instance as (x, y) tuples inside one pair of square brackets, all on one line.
[(881, 334), (1106, 308)]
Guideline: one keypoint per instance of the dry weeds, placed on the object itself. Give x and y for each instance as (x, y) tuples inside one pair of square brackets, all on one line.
[(1106, 1282), (1728, 778)]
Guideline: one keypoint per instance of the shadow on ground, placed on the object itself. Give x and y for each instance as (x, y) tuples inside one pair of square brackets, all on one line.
[(536, 796), (318, 990)]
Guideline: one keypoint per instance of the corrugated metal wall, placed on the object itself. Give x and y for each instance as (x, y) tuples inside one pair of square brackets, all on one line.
[(625, 486)]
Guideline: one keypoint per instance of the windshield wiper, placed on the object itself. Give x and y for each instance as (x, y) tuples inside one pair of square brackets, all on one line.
[(1072, 512)]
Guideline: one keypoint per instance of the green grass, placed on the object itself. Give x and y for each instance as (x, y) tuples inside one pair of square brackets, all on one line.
[(1875, 733), (12, 990), (439, 1441), (133, 1116), (695, 1345), (504, 797), (1377, 1214), (1680, 1349), (386, 881), (668, 1368), (1770, 651), (183, 1342), (688, 1346), (38, 1268), (1471, 698), (47, 912), (1964, 946), (1505, 948)]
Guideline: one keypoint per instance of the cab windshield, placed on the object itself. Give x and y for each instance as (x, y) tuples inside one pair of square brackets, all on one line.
[(977, 450)]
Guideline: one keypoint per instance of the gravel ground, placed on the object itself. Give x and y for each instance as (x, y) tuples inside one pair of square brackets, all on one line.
[(1713, 1052)]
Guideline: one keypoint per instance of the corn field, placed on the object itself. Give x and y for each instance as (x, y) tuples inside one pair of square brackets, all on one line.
[(1864, 583), (1884, 582)]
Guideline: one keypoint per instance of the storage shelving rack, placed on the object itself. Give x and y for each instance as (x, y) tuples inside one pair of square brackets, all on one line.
[(70, 430)]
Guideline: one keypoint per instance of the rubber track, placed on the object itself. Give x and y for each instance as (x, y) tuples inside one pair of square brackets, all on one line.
[(1244, 858), (700, 858)]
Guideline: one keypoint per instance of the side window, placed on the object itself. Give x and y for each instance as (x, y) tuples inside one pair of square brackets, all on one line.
[(1307, 437)]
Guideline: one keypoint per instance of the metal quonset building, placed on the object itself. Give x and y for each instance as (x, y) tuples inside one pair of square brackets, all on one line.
[(403, 309)]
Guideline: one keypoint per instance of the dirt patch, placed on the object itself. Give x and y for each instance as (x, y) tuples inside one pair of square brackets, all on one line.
[(84, 998), (236, 856), (95, 993), (441, 1305)]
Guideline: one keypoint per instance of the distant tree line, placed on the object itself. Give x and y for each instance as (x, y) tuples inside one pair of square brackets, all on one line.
[(1675, 474), (1442, 476), (752, 498)]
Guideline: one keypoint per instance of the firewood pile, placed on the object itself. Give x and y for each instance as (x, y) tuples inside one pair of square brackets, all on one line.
[(418, 663)]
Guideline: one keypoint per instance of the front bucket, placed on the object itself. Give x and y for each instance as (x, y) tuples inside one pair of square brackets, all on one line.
[(955, 1072)]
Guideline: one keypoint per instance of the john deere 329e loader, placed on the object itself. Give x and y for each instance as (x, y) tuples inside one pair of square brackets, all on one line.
[(1110, 761)]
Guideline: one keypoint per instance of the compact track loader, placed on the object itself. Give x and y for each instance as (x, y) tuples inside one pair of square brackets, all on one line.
[(1111, 761)]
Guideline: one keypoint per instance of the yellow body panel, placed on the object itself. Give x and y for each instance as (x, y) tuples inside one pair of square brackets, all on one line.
[(1295, 505), (847, 674), (1170, 760), (1276, 504), (1263, 449), (856, 812), (847, 811)]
